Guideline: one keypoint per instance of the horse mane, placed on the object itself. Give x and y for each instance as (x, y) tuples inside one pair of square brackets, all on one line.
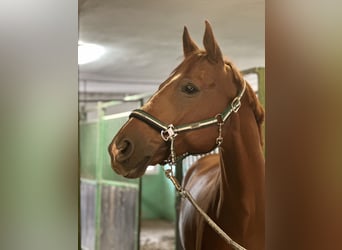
[(253, 101)]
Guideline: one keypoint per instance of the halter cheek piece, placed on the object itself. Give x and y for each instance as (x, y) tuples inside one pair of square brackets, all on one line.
[(169, 132)]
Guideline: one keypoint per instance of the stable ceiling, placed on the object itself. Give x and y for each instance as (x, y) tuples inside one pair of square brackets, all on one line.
[(143, 39)]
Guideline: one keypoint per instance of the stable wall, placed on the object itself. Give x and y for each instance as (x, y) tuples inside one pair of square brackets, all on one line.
[(158, 197), (158, 194)]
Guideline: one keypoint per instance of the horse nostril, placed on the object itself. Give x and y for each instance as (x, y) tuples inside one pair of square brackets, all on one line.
[(126, 149)]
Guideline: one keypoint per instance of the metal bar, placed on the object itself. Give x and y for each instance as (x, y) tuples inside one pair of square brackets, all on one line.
[(119, 184), (120, 101), (179, 178), (136, 98), (139, 197), (89, 181), (79, 217), (97, 100), (98, 175), (103, 105), (139, 214), (117, 115)]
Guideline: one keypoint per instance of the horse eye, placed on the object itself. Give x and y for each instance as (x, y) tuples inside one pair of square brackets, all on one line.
[(190, 89)]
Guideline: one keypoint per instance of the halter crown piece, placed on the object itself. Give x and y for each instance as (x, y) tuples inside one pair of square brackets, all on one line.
[(169, 133)]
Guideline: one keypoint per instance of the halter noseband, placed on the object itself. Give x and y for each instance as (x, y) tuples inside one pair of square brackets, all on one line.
[(169, 132)]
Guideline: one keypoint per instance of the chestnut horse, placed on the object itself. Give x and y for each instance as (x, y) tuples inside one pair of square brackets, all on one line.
[(228, 186)]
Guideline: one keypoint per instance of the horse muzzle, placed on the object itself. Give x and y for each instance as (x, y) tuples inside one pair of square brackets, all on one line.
[(124, 160)]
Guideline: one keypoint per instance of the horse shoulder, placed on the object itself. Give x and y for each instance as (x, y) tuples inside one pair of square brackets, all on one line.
[(207, 165), (202, 181)]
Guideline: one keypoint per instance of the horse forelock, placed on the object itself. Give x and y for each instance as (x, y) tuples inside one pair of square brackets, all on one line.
[(185, 65)]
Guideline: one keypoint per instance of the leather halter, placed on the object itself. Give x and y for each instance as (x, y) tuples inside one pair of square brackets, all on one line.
[(169, 132)]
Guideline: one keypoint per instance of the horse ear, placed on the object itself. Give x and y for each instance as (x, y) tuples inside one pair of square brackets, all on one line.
[(189, 46), (211, 46)]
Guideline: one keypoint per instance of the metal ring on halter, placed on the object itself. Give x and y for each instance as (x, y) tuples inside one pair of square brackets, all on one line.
[(236, 104), (168, 133), (219, 119)]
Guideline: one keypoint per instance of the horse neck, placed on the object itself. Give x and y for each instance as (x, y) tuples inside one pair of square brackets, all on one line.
[(242, 171)]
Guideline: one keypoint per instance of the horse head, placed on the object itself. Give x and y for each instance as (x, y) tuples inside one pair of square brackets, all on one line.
[(200, 87)]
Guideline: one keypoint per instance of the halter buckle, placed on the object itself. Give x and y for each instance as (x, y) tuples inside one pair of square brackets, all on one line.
[(236, 104), (168, 133)]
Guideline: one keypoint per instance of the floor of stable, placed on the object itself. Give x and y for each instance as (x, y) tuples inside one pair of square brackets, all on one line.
[(157, 235)]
